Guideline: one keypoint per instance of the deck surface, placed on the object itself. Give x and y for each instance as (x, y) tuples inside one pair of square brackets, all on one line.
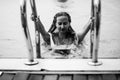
[(59, 69), (61, 66)]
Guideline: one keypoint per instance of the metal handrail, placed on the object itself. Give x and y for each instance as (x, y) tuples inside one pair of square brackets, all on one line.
[(95, 31), (31, 60), (37, 32)]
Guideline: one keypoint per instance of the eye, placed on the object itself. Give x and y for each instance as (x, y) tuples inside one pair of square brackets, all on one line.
[(65, 23), (59, 23)]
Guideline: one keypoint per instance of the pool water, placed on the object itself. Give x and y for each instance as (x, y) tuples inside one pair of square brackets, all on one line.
[(12, 42)]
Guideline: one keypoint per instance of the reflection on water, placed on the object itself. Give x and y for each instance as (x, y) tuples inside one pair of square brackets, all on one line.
[(12, 43)]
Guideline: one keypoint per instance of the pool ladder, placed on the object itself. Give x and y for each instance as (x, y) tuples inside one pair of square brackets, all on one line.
[(94, 32)]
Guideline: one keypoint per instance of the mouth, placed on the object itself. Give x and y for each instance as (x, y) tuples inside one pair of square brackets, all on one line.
[(63, 29)]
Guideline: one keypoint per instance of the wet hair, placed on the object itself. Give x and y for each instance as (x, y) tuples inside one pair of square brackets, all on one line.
[(53, 26)]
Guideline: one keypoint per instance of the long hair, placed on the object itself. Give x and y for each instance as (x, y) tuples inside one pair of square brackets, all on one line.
[(53, 26)]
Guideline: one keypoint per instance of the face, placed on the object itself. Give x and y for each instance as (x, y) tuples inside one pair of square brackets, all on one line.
[(62, 23)]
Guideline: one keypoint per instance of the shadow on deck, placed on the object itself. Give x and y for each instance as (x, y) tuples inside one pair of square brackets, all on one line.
[(26, 76)]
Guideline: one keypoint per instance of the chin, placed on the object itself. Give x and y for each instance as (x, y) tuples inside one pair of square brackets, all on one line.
[(64, 30)]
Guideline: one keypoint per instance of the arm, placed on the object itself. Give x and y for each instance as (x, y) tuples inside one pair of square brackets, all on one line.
[(41, 29), (43, 32), (86, 28)]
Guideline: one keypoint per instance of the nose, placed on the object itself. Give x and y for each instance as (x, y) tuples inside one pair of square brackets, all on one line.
[(62, 25)]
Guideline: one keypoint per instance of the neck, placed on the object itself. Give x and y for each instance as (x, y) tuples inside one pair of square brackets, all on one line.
[(63, 34)]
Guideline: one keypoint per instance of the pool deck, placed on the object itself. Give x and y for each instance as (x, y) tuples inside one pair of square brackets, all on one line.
[(56, 66), (59, 69)]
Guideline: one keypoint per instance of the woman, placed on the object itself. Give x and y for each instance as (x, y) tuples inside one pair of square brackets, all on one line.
[(61, 33)]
